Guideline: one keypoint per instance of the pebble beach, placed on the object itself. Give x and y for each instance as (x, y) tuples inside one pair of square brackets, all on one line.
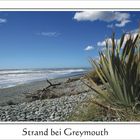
[(24, 103)]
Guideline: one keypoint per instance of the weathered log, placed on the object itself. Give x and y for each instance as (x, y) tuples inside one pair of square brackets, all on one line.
[(51, 85), (44, 93)]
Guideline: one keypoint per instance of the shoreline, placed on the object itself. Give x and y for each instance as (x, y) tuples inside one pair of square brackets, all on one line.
[(61, 97), (17, 93)]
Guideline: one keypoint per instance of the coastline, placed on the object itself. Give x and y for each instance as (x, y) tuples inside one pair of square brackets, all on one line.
[(60, 100), (17, 93)]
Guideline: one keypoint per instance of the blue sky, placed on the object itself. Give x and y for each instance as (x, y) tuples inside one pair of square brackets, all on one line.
[(58, 39)]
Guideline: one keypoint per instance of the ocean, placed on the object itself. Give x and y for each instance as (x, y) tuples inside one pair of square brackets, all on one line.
[(14, 77)]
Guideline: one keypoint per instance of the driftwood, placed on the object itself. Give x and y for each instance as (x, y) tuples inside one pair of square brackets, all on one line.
[(51, 85), (53, 90), (44, 93)]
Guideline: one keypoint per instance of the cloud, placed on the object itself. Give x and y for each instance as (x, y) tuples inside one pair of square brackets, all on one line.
[(103, 43), (117, 41), (107, 16), (2, 20), (135, 31), (49, 34), (122, 23), (88, 48)]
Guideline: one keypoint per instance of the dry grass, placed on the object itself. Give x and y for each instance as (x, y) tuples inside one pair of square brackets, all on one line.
[(90, 111)]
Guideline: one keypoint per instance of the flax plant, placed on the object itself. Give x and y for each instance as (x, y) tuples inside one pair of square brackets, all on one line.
[(118, 68)]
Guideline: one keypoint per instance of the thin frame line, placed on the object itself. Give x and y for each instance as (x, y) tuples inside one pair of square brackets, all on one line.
[(71, 123), (72, 8)]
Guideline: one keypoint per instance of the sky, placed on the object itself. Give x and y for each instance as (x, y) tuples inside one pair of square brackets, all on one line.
[(58, 39)]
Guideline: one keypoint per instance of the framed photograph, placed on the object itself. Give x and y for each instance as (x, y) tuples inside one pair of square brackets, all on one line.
[(69, 73)]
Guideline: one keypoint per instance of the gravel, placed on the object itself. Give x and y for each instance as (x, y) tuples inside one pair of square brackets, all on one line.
[(58, 109)]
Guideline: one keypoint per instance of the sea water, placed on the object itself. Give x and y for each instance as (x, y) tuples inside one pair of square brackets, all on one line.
[(13, 77)]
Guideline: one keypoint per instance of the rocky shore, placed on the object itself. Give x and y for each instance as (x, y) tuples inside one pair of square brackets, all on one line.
[(57, 102)]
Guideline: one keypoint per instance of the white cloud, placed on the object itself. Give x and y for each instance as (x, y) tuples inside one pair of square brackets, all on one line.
[(88, 48), (133, 33), (135, 30), (103, 43), (49, 34), (107, 16), (2, 20), (117, 41), (122, 23)]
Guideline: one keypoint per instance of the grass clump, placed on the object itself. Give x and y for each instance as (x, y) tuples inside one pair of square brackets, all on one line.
[(88, 112), (118, 68)]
